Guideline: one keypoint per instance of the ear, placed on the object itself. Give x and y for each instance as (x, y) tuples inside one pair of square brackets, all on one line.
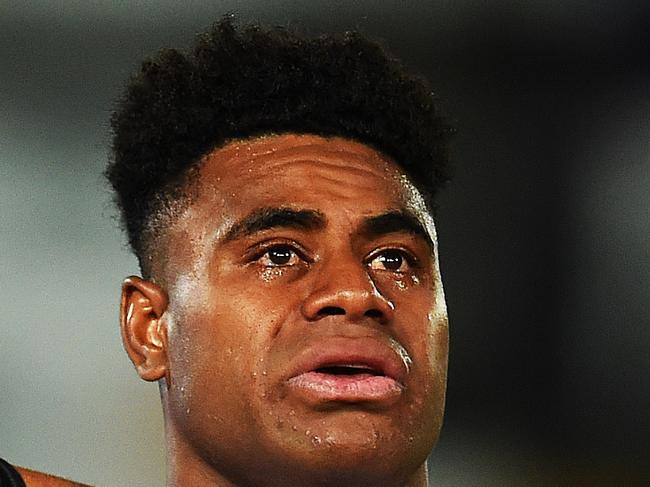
[(144, 332)]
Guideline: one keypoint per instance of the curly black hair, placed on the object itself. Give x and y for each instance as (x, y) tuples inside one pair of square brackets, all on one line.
[(243, 82)]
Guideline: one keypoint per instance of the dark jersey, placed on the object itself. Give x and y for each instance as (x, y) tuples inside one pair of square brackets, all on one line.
[(9, 477)]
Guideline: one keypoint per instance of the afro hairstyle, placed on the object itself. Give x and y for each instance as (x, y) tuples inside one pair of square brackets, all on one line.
[(243, 82)]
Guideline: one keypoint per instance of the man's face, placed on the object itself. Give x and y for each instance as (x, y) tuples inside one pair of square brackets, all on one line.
[(306, 322)]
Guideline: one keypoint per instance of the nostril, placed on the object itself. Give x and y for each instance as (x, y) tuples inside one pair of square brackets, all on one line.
[(331, 310), (374, 313)]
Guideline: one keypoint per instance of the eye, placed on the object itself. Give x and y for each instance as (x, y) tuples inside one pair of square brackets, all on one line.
[(392, 260), (279, 256)]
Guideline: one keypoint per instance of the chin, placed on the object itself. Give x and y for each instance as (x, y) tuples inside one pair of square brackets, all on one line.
[(358, 464), (356, 448)]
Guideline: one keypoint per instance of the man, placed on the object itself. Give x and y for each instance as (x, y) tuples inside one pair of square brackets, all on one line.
[(277, 193)]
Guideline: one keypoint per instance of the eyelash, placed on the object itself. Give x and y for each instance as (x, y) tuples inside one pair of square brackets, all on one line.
[(264, 248)]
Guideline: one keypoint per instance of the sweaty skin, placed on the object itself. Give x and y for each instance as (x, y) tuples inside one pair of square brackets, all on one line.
[(284, 257)]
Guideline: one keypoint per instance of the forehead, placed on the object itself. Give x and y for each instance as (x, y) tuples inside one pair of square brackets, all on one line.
[(344, 180), (301, 171)]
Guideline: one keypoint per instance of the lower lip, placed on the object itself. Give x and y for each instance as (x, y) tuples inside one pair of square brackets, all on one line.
[(347, 388)]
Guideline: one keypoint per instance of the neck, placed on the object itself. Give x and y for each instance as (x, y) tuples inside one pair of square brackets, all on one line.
[(188, 470)]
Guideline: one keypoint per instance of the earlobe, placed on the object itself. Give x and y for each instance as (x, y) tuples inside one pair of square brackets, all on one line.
[(144, 332)]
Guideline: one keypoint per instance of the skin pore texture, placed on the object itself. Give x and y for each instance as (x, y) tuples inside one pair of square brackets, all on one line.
[(296, 252)]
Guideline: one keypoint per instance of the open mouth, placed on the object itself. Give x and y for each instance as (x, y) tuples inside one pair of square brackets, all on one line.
[(349, 370), (357, 383)]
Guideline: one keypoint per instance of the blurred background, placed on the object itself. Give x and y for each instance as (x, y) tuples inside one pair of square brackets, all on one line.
[(544, 232)]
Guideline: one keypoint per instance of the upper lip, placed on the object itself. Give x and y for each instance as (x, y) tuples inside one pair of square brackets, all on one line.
[(378, 355)]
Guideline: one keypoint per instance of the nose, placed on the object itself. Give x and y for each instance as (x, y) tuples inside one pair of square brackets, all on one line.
[(346, 288)]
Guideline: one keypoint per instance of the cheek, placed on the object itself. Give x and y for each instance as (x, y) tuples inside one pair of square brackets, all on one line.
[(421, 317), (438, 358), (423, 329), (205, 362), (428, 390), (437, 352), (218, 349)]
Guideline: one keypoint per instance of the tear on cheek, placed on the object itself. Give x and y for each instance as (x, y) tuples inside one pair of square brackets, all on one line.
[(406, 282), (286, 273), (271, 273)]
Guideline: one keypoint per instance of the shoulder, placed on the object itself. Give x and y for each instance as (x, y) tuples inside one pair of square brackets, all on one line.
[(39, 479)]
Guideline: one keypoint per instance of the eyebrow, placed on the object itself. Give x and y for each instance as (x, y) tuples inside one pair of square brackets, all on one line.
[(395, 222), (268, 218)]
